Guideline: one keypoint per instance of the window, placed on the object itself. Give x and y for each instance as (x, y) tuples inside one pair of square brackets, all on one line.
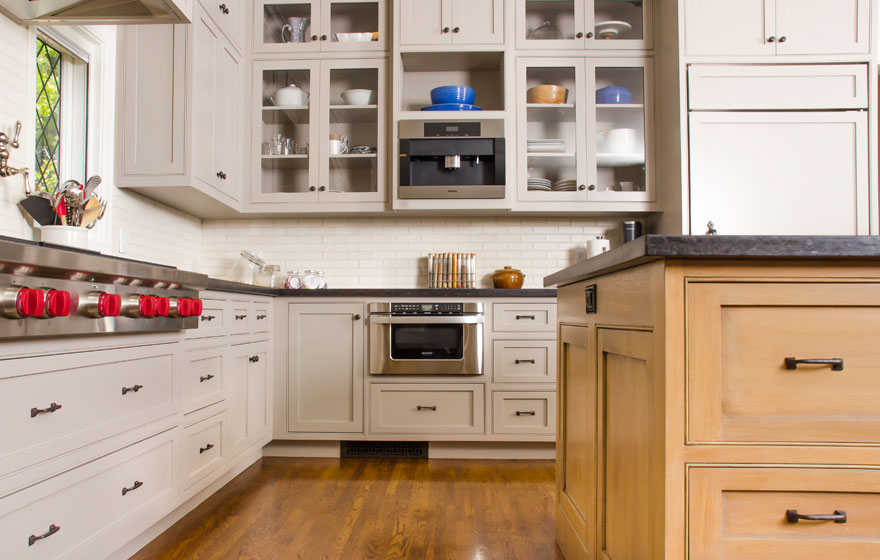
[(62, 101)]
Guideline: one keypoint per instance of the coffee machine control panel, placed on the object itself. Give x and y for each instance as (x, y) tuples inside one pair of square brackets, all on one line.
[(453, 129)]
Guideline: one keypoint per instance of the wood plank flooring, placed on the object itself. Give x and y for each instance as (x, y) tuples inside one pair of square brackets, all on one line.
[(371, 509)]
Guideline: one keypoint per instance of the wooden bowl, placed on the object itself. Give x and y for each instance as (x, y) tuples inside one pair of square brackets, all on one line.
[(508, 279), (547, 93)]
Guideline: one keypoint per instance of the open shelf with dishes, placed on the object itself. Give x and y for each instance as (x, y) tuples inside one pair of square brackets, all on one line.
[(322, 133), (583, 24), (582, 126), (420, 72)]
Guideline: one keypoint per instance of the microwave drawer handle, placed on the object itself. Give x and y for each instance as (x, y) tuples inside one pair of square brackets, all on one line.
[(441, 320), (835, 363), (431, 408)]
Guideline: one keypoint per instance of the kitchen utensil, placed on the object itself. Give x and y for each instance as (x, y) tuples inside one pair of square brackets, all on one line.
[(91, 185), (508, 279), (296, 26), (547, 93), (69, 236), (359, 96), (617, 141), (612, 29), (597, 246), (92, 209), (614, 95), (60, 209), (339, 144), (290, 96), (453, 94), (632, 230), (40, 206), (103, 209), (452, 107), (545, 32)]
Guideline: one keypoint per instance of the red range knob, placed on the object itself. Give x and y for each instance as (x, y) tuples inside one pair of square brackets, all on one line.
[(197, 307), (163, 306), (109, 305), (184, 307), (57, 303), (147, 306), (29, 302)]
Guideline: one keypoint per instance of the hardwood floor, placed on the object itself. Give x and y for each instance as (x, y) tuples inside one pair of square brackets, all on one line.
[(370, 509)]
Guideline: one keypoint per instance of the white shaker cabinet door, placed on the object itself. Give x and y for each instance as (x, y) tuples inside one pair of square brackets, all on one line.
[(779, 173), (822, 26), (478, 21), (228, 144), (425, 22), (206, 92), (729, 27)]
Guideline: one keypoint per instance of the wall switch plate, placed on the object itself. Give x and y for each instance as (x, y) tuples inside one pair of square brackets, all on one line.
[(590, 298), (123, 241)]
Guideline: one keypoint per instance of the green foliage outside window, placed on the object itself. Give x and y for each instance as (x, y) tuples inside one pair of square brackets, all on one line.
[(48, 148)]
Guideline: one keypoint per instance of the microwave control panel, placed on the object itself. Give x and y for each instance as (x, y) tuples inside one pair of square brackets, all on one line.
[(427, 308)]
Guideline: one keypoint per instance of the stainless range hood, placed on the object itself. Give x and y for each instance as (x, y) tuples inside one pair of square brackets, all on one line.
[(110, 12)]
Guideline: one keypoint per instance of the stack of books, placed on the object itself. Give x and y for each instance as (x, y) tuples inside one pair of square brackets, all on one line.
[(452, 270)]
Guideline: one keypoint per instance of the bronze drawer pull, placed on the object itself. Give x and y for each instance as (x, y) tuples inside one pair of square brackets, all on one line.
[(137, 484), (835, 363), (254, 359), (530, 317), (431, 408), (208, 317), (208, 447), (260, 317), (240, 317), (524, 362), (204, 378), (525, 412), (792, 516), (52, 530), (132, 389), (52, 408)]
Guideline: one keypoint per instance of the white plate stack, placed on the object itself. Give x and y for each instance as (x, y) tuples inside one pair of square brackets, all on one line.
[(567, 185), (538, 184), (545, 146)]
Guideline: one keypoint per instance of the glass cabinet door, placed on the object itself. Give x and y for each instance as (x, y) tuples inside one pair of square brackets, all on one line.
[(550, 24), (286, 142), (553, 143), (353, 137), (287, 25), (619, 24), (621, 124), (353, 25)]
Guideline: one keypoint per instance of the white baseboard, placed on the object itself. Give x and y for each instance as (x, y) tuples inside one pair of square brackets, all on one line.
[(286, 448), (491, 450)]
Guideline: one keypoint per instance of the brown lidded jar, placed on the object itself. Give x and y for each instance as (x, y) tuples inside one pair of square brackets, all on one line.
[(508, 279)]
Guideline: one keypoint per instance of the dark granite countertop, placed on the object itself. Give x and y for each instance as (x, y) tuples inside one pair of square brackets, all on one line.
[(236, 287), (724, 247)]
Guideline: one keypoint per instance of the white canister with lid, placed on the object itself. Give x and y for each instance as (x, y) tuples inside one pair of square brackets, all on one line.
[(290, 96), (597, 246), (311, 281), (293, 281), (322, 279)]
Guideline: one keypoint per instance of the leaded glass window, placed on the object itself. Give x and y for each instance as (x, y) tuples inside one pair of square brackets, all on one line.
[(48, 148)]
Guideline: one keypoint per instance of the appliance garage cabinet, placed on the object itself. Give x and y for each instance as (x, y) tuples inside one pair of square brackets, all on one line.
[(439, 23), (361, 369), (718, 405)]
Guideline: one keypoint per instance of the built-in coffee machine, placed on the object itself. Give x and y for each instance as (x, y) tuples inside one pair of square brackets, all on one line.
[(445, 159)]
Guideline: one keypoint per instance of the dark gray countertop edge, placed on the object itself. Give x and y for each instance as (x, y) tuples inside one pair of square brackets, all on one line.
[(236, 287), (722, 247)]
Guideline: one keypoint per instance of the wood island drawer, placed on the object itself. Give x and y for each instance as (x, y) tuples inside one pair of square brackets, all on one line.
[(427, 409), (524, 317), (523, 413), (214, 320), (53, 405), (203, 379), (524, 361), (91, 502), (261, 316), (240, 317), (203, 449), (743, 388), (742, 513), (777, 86)]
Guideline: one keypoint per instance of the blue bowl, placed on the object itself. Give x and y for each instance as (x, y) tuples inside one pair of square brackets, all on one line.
[(452, 107), (614, 94), (453, 94)]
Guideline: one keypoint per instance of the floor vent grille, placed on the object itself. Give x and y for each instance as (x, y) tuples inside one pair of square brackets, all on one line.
[(384, 449)]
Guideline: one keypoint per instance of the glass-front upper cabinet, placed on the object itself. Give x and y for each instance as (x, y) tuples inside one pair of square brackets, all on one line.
[(320, 25), (583, 129), (584, 24), (323, 131)]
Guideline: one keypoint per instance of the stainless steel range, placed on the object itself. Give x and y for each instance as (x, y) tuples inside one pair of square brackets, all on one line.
[(426, 338), (47, 291)]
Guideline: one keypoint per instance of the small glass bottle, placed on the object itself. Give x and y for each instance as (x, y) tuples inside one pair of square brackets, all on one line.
[(310, 280), (322, 279), (293, 281)]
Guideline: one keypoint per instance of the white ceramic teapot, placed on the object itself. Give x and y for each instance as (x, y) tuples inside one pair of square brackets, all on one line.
[(290, 96)]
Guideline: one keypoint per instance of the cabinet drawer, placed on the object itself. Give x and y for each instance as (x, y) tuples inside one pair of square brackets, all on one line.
[(515, 317), (523, 413), (240, 317), (739, 386), (203, 379), (524, 361), (260, 317), (741, 513), (426, 409), (214, 320), (203, 449), (86, 392), (772, 87), (89, 501)]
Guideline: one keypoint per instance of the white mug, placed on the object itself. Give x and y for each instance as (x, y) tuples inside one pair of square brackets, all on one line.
[(617, 141), (597, 247), (339, 144)]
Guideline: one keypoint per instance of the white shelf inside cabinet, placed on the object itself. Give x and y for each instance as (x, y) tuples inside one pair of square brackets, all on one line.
[(620, 106), (353, 113), (556, 155)]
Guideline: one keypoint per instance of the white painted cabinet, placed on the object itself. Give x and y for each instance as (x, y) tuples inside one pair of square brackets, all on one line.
[(325, 368), (230, 17), (584, 24), (302, 26), (776, 27), (179, 97), (248, 397), (779, 173), (451, 22)]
